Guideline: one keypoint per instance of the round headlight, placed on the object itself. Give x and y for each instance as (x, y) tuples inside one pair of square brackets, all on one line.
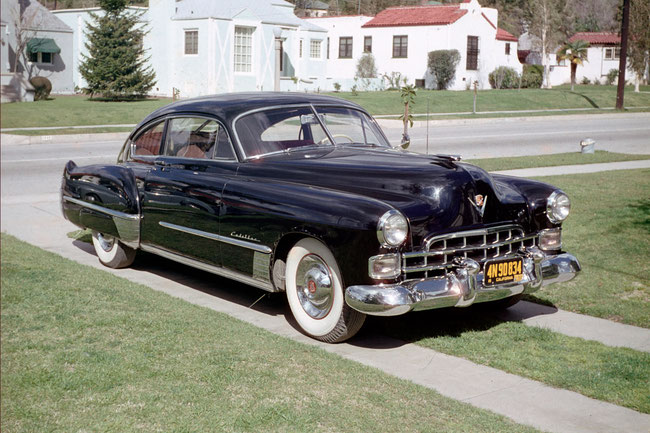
[(392, 229), (558, 206)]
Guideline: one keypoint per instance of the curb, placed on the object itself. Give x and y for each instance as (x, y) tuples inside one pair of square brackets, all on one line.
[(396, 123), (17, 140)]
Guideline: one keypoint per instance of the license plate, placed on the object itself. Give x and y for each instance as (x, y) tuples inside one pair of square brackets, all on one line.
[(505, 271)]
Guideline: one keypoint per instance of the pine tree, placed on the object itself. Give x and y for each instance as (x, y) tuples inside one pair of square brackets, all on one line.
[(115, 66)]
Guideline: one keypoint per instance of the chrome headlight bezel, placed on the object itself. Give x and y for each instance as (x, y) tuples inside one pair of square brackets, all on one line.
[(558, 207), (392, 229)]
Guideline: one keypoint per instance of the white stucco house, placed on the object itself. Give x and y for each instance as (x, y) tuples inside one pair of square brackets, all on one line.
[(198, 47), (400, 39), (34, 43), (603, 55)]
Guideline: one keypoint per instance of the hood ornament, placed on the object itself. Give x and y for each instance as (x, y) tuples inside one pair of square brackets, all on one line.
[(479, 203)]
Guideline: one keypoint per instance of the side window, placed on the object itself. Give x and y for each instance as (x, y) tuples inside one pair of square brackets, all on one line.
[(191, 137), (224, 147), (148, 143)]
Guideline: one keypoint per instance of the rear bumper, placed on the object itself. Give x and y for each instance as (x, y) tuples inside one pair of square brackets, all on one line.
[(461, 287)]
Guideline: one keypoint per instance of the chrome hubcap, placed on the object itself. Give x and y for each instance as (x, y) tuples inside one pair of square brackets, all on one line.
[(314, 286), (105, 242)]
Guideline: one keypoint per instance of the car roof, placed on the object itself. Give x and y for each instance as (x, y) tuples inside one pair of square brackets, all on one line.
[(229, 105)]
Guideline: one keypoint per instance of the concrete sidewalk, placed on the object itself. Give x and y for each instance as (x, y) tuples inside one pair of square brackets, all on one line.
[(576, 169), (39, 222)]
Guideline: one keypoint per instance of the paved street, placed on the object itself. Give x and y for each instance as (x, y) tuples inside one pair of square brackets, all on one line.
[(489, 138), (30, 210)]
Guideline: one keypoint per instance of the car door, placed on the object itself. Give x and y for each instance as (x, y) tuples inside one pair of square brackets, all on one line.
[(183, 192)]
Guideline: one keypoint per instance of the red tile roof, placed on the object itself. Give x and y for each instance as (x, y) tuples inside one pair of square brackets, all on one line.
[(597, 38), (503, 35), (417, 16)]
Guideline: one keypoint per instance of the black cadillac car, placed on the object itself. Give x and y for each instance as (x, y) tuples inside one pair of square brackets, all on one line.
[(303, 194)]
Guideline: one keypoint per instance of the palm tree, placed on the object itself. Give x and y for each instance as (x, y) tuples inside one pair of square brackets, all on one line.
[(576, 53), (407, 93)]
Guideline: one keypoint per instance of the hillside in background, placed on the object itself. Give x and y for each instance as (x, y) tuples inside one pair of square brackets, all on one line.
[(582, 15)]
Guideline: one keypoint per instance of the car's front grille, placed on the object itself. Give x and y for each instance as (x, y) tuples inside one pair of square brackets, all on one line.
[(438, 252)]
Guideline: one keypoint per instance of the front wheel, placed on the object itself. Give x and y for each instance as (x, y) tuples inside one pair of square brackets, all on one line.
[(111, 252), (315, 293)]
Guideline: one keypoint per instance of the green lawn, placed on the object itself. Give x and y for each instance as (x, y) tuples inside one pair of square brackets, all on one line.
[(83, 350), (573, 158), (609, 231), (79, 110), (76, 110), (596, 97), (616, 375)]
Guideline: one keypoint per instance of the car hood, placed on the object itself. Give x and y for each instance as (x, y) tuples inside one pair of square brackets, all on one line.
[(434, 192)]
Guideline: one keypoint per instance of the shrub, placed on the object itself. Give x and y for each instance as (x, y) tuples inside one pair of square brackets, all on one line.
[(366, 67), (504, 77), (585, 81), (42, 88), (337, 87), (532, 77), (394, 80), (612, 75), (442, 65)]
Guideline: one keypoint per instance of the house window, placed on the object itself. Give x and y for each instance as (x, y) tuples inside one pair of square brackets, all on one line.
[(244, 49), (300, 50), (314, 49), (472, 53), (191, 42), (46, 58), (613, 53), (400, 46), (367, 44), (507, 48), (345, 48)]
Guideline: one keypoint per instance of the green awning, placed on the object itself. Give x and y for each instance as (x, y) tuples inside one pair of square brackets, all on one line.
[(42, 45)]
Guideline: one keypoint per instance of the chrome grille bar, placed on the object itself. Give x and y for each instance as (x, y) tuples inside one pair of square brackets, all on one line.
[(481, 244)]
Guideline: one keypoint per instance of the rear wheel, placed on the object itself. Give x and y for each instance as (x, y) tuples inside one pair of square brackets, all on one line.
[(315, 293), (111, 252)]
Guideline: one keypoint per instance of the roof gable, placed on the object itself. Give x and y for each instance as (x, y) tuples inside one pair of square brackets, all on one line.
[(37, 17), (417, 16), (277, 12)]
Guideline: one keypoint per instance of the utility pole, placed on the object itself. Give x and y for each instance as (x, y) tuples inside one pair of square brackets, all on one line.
[(620, 92), (359, 13)]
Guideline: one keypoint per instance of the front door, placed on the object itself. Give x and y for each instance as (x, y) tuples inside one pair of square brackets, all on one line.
[(183, 193)]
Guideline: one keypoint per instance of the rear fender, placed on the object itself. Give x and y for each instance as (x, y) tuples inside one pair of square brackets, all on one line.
[(103, 198)]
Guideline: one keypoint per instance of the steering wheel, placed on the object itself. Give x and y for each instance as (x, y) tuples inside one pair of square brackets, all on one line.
[(336, 136)]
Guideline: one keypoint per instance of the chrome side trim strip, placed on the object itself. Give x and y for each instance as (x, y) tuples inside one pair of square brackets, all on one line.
[(102, 209), (225, 239), (222, 272)]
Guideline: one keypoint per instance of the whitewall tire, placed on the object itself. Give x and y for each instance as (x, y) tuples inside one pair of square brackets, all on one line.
[(315, 293), (111, 252)]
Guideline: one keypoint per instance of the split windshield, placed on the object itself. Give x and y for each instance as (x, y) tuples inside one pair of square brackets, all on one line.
[(283, 130)]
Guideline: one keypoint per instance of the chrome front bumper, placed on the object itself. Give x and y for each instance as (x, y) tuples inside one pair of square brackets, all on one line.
[(461, 287)]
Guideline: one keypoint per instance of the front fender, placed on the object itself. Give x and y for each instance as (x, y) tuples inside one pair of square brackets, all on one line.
[(345, 222), (103, 198), (536, 193)]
